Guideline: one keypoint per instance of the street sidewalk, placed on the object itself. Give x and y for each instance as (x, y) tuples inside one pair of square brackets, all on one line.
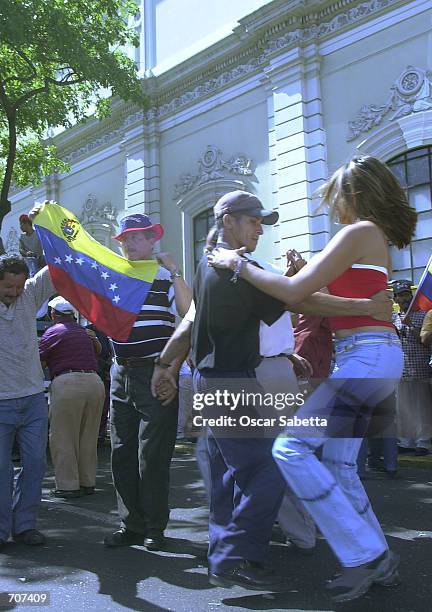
[(80, 574)]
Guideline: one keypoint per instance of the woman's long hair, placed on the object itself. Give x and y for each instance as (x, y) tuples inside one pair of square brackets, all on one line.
[(368, 189)]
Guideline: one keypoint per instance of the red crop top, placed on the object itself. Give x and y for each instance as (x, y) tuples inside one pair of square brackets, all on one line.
[(359, 281)]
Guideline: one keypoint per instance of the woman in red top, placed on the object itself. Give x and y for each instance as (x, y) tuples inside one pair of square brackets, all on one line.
[(366, 197)]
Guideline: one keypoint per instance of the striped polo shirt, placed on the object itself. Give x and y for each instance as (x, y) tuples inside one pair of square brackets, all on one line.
[(155, 323)]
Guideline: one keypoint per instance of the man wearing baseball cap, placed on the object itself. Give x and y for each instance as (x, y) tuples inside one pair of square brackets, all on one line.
[(142, 427), (76, 400)]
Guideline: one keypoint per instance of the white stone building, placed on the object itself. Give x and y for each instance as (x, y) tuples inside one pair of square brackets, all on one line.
[(270, 96)]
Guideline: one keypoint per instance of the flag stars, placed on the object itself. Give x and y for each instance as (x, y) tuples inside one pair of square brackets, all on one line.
[(57, 260), (79, 261), (104, 275), (113, 287), (68, 259), (116, 298), (94, 265)]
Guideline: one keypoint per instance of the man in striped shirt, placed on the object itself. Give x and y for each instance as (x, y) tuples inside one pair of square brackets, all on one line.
[(143, 428)]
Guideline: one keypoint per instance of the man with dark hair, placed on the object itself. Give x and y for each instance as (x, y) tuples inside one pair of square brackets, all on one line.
[(23, 409)]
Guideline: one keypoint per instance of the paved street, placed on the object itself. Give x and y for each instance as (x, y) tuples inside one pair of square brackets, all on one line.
[(81, 574)]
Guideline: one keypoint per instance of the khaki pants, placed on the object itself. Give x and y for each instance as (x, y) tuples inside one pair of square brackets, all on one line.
[(76, 402)]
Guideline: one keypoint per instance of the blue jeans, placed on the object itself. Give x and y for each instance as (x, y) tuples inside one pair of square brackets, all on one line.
[(245, 488), (369, 366), (26, 419)]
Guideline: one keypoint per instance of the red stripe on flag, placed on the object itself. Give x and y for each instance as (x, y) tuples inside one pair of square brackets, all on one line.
[(109, 319), (422, 302)]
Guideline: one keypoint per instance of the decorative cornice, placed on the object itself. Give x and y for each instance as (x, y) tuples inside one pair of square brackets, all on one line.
[(215, 69), (411, 93), (211, 166)]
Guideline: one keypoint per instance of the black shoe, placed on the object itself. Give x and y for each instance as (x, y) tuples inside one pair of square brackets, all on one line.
[(123, 537), (64, 494), (353, 582), (2, 544), (31, 537), (249, 575), (421, 452), (87, 490), (155, 540)]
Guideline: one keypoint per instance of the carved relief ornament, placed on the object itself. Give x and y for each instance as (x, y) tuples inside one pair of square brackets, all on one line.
[(211, 166), (411, 93)]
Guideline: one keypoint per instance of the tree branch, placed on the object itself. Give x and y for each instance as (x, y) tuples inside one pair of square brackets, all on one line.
[(30, 65)]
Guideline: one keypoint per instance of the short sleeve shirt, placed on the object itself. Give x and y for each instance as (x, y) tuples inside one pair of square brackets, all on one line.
[(225, 335)]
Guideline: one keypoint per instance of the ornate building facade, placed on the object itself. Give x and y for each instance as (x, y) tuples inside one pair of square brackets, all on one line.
[(269, 96)]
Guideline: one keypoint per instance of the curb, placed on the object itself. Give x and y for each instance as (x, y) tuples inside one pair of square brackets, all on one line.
[(424, 462)]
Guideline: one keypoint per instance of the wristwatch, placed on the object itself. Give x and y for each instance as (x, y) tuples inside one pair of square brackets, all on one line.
[(161, 364), (176, 274)]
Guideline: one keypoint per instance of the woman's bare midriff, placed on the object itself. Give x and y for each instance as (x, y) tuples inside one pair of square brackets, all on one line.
[(343, 333)]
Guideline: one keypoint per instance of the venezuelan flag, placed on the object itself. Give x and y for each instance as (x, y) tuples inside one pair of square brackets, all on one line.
[(423, 296), (106, 288)]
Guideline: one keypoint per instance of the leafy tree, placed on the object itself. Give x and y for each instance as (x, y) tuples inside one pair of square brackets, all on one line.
[(57, 57)]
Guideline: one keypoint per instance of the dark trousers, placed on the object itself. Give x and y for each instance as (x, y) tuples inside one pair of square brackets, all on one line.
[(143, 435), (245, 494)]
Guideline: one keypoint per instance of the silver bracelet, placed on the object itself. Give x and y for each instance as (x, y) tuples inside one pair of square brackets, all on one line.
[(236, 273)]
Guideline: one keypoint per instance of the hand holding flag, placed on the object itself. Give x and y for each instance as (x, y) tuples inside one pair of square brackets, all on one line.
[(106, 288)]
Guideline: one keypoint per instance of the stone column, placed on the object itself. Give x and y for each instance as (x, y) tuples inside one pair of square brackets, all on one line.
[(297, 149), (142, 193)]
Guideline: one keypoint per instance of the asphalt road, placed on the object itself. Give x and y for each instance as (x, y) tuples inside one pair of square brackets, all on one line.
[(79, 573)]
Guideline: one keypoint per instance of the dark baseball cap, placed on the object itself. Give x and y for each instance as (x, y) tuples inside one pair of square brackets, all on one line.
[(399, 286), (244, 203)]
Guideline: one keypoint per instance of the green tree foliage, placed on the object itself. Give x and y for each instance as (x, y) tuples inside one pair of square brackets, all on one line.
[(56, 58)]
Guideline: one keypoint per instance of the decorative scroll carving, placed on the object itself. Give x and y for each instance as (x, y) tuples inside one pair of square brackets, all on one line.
[(411, 93), (211, 166), (94, 213)]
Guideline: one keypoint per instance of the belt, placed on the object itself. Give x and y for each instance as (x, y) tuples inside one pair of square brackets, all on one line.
[(74, 370), (134, 362), (274, 356)]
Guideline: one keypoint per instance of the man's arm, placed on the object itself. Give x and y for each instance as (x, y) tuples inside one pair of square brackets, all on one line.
[(174, 352), (379, 306), (182, 293), (426, 330), (41, 285)]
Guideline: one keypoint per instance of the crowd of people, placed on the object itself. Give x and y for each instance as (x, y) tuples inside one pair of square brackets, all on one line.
[(366, 369)]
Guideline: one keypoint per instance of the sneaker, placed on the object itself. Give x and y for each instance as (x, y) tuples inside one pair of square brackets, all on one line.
[(87, 490), (248, 574), (123, 537), (421, 452), (353, 582), (31, 537)]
